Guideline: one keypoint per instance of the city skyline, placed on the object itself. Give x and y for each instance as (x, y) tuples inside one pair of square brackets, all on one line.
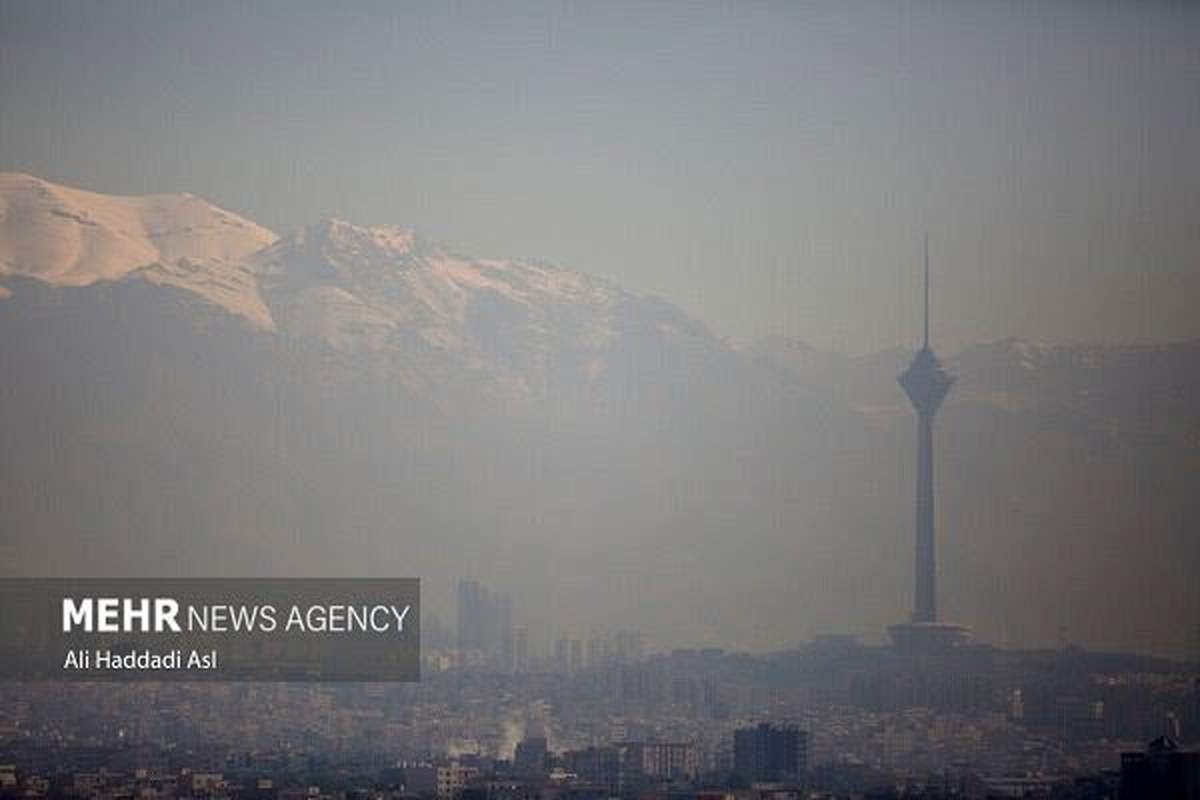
[(599, 401)]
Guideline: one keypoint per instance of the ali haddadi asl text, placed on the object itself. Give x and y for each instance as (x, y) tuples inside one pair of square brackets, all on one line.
[(139, 660)]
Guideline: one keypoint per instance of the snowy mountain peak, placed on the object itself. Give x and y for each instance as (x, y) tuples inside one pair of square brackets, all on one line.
[(74, 237), (338, 236), (70, 237)]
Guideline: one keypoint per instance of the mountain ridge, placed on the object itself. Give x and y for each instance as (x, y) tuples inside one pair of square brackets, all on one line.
[(231, 275), (349, 288)]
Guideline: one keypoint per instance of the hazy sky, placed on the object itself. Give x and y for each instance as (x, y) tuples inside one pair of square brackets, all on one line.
[(768, 166)]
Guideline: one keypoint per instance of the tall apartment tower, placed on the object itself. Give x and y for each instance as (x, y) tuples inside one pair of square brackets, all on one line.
[(470, 615), (485, 627), (768, 752)]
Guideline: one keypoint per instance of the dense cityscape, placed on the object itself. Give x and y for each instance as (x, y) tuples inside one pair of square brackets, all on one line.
[(497, 716), (606, 717), (599, 401)]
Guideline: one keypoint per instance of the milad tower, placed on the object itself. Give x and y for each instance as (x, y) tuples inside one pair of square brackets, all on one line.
[(926, 382)]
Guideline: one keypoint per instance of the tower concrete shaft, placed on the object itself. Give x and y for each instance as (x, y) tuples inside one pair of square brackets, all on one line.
[(925, 591)]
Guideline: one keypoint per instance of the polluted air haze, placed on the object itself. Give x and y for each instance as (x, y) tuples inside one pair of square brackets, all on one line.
[(605, 305)]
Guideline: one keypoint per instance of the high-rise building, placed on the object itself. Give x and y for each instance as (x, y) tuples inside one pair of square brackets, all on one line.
[(530, 757), (498, 632), (445, 782), (599, 766), (666, 761), (485, 627), (769, 752), (561, 663), (628, 646), (521, 648), (595, 652), (470, 615), (926, 382)]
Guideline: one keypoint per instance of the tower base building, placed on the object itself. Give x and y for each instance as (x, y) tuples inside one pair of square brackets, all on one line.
[(927, 637)]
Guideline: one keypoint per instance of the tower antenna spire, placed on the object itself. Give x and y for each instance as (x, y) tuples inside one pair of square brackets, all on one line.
[(926, 339)]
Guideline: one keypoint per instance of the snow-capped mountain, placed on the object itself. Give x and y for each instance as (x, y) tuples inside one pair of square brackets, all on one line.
[(70, 237), (379, 298)]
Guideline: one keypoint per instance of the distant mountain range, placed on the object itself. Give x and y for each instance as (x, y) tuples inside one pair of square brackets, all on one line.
[(185, 392)]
